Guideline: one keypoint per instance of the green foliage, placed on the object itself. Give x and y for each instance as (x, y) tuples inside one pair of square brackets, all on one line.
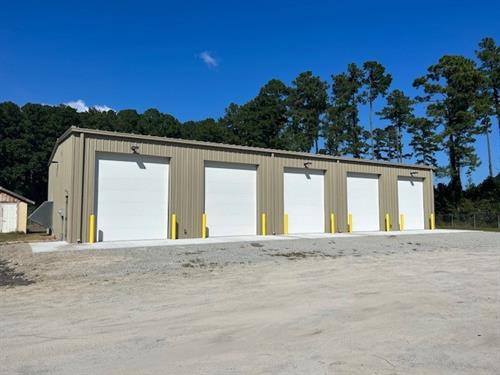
[(489, 55), (208, 130), (376, 82), (461, 100), (262, 120), (424, 140), (476, 198), (341, 128), (307, 102), (399, 113), (385, 146), (453, 92), (153, 122)]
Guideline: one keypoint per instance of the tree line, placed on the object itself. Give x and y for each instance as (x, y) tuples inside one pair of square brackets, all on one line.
[(460, 96)]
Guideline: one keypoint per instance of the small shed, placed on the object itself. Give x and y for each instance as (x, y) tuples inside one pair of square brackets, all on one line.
[(13, 211)]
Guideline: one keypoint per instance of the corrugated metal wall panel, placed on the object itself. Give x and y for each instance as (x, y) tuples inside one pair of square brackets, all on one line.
[(187, 178), (60, 182)]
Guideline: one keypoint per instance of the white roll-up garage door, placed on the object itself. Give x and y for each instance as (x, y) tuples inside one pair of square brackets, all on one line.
[(231, 199), (304, 200), (362, 202), (132, 197), (411, 202)]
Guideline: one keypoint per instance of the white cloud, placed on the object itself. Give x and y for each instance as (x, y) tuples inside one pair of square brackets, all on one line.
[(80, 106), (208, 59), (103, 108)]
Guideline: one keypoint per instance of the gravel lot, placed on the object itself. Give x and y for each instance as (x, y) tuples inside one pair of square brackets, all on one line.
[(413, 304)]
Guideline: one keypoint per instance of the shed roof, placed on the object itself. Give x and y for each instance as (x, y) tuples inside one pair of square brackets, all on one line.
[(223, 146), (15, 195)]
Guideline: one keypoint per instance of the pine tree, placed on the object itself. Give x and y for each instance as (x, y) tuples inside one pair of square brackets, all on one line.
[(343, 124), (399, 113), (379, 148), (307, 103), (262, 120), (385, 143), (376, 82), (452, 90), (425, 141), (489, 55)]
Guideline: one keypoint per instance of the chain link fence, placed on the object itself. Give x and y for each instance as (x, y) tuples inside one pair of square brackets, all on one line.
[(478, 220)]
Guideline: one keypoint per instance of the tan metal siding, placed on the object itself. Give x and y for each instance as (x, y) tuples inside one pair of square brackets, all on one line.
[(77, 196), (22, 216), (186, 190), (388, 196), (60, 181)]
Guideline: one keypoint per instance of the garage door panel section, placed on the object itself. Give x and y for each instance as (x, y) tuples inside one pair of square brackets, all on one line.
[(304, 200), (231, 199), (363, 202), (411, 202), (132, 197)]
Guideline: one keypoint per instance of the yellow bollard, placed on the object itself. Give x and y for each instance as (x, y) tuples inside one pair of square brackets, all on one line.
[(174, 226), (387, 223), (285, 229), (349, 223), (92, 229), (263, 224), (204, 226), (401, 222), (433, 222), (332, 223)]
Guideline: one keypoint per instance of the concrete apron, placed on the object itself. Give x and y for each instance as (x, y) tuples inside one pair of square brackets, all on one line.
[(41, 247)]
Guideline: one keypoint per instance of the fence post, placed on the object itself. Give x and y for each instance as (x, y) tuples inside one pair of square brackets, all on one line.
[(474, 218), (498, 221), (452, 221)]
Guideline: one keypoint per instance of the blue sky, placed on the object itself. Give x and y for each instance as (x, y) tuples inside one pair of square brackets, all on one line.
[(191, 59)]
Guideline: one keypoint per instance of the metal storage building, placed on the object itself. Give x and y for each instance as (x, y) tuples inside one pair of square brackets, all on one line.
[(109, 186)]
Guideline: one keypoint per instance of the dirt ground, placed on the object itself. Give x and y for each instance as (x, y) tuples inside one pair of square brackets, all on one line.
[(417, 304), (8, 238)]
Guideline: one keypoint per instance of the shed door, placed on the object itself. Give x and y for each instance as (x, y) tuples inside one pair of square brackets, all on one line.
[(411, 202), (8, 214), (132, 197), (362, 202), (231, 199), (304, 200)]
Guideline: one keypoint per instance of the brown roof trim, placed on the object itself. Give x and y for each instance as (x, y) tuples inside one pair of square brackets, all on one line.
[(15, 195), (224, 146)]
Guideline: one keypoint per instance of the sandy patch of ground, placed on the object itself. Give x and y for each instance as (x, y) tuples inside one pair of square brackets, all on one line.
[(379, 305)]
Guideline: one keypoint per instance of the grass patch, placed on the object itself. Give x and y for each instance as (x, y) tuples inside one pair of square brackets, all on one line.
[(467, 227), (24, 237)]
